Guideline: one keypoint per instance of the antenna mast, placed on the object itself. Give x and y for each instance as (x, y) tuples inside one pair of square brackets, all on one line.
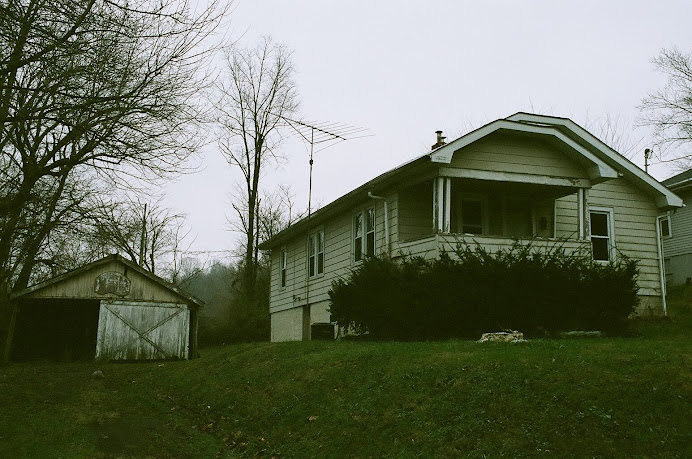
[(314, 134)]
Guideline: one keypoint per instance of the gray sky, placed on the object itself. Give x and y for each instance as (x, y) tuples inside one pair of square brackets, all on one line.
[(404, 69)]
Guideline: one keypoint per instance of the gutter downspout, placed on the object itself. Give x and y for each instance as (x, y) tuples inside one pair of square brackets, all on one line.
[(661, 266), (386, 220)]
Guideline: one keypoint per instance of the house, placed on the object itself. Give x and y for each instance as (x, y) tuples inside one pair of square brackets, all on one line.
[(676, 229), (523, 177), (110, 309)]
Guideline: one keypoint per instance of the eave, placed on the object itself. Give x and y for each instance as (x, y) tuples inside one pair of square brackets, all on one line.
[(664, 198), (190, 299)]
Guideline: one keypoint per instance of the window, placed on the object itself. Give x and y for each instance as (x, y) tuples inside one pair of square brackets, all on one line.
[(370, 233), (284, 263), (364, 234), (316, 254), (664, 223), (472, 214), (602, 234)]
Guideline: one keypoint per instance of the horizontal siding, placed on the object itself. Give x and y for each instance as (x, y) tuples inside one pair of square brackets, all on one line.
[(681, 229), (634, 215), (518, 154), (425, 248), (338, 257), (566, 217)]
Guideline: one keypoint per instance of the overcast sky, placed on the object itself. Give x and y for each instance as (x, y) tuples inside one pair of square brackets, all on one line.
[(404, 69)]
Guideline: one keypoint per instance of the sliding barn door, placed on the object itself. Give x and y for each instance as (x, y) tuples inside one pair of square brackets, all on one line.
[(141, 330)]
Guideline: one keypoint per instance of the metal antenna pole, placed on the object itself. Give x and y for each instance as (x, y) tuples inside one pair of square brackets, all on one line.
[(312, 148), (321, 133), (647, 155)]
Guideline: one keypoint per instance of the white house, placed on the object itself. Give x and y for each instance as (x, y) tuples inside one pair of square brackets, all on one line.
[(677, 232), (527, 176)]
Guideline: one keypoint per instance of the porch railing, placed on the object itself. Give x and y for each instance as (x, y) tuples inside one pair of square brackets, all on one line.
[(432, 246)]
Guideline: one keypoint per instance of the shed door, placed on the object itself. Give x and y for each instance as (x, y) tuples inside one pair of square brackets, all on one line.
[(138, 330)]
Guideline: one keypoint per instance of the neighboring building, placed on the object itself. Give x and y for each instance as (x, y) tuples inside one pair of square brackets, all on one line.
[(527, 176), (676, 230), (110, 309)]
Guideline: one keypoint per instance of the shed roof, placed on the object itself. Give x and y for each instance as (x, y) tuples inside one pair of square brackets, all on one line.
[(35, 290)]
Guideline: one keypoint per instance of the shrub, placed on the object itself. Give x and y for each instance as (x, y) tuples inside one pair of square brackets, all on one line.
[(472, 291)]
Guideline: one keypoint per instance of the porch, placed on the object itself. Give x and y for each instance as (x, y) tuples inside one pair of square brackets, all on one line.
[(437, 214)]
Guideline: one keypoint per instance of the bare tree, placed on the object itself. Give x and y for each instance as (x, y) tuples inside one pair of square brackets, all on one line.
[(275, 211), (614, 132), (669, 110), (102, 89), (256, 93), (146, 233)]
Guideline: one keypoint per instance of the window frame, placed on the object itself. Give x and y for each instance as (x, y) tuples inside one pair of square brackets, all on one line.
[(610, 225), (361, 247), (661, 219), (283, 268), (315, 261), (483, 200)]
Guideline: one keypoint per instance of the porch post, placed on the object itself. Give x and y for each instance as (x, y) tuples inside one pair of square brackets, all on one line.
[(587, 215), (580, 212), (442, 202), (583, 211), (436, 205), (448, 204)]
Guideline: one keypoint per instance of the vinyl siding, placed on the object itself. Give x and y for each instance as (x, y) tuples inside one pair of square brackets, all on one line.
[(338, 259), (681, 229), (634, 215), (416, 211), (517, 154)]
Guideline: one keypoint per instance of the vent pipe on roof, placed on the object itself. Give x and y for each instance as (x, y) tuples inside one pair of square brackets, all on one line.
[(440, 140)]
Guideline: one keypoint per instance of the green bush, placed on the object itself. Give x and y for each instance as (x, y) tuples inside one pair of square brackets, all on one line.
[(472, 291)]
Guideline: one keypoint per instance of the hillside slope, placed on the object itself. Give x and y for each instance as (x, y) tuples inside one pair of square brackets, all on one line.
[(604, 397)]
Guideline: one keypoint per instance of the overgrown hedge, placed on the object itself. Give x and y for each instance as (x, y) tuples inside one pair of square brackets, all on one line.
[(471, 291)]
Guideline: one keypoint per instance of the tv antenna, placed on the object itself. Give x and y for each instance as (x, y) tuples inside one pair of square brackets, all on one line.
[(323, 133)]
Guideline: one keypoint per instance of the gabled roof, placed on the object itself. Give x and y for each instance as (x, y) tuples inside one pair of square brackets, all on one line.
[(680, 181), (664, 197), (597, 169), (600, 161), (190, 299)]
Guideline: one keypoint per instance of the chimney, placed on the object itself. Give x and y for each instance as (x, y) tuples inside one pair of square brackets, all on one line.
[(440, 140)]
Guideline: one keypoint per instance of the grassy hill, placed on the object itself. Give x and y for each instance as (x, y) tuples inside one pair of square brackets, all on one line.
[(623, 397)]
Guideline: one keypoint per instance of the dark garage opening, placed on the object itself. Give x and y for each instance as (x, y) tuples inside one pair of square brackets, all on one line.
[(56, 329)]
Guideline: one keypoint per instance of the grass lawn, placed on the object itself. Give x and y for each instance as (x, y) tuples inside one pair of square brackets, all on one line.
[(608, 397)]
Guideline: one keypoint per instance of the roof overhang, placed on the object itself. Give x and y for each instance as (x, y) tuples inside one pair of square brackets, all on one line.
[(664, 198), (187, 297), (597, 169)]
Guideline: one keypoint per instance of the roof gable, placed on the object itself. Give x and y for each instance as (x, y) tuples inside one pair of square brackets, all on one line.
[(664, 197), (597, 169), (83, 282)]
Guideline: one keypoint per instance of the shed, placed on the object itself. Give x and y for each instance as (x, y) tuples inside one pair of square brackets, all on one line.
[(110, 309)]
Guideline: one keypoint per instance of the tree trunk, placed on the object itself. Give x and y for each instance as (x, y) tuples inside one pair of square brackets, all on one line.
[(8, 315)]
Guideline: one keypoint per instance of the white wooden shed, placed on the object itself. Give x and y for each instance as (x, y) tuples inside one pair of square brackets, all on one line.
[(110, 309)]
